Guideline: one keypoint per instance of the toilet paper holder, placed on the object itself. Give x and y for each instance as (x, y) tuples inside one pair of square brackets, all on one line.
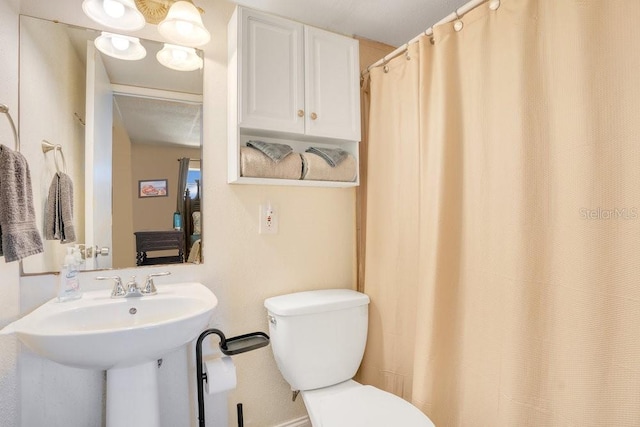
[(229, 347)]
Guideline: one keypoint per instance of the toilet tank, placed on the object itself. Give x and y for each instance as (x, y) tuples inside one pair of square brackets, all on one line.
[(318, 337)]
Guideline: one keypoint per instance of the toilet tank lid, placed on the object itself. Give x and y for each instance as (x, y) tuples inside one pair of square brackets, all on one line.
[(310, 302)]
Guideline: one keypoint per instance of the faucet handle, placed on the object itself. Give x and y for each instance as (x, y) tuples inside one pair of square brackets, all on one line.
[(118, 290), (149, 286)]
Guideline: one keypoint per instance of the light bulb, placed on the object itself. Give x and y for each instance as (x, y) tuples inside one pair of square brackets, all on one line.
[(179, 54), (113, 8), (179, 58), (120, 43), (184, 27)]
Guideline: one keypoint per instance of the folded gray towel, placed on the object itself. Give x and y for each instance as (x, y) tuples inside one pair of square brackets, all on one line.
[(275, 152), (19, 236), (58, 223), (333, 156)]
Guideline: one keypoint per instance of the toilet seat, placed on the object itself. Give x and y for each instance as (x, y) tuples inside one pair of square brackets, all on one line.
[(354, 405)]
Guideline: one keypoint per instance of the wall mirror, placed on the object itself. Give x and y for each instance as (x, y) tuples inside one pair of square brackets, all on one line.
[(128, 136)]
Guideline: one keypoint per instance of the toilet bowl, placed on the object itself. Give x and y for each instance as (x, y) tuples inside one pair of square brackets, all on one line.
[(351, 404), (318, 340)]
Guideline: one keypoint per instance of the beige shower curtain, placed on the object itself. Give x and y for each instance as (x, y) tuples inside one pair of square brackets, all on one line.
[(503, 218)]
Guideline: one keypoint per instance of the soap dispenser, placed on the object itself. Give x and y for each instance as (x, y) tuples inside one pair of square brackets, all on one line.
[(68, 281)]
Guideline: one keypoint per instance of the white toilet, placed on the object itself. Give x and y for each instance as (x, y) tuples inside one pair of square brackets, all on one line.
[(318, 340)]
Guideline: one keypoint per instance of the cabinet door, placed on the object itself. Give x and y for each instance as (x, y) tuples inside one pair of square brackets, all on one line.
[(332, 88), (272, 71)]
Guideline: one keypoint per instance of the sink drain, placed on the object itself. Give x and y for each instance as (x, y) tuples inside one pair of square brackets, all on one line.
[(133, 310)]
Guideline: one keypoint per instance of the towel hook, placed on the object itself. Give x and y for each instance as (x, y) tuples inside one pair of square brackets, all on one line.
[(4, 109), (55, 158), (47, 146)]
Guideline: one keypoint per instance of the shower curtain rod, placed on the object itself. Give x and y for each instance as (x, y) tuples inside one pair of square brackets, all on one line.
[(457, 14)]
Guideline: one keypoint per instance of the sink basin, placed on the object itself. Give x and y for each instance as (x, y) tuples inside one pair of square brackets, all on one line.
[(124, 336), (100, 332)]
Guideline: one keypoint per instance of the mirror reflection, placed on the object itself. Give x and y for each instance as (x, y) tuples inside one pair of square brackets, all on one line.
[(126, 134)]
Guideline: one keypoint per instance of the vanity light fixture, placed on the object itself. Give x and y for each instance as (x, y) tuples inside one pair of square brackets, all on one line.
[(179, 58), (120, 15), (179, 22), (183, 25), (120, 46)]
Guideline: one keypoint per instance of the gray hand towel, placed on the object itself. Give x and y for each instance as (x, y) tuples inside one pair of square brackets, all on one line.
[(51, 223), (19, 236), (66, 209), (59, 210), (275, 152), (333, 156)]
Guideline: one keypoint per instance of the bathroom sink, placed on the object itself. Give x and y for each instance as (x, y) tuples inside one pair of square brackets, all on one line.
[(100, 332)]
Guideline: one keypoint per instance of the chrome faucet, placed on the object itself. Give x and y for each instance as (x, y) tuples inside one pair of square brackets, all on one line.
[(132, 289)]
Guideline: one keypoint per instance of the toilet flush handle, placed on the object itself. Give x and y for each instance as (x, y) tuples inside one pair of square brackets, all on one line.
[(272, 320)]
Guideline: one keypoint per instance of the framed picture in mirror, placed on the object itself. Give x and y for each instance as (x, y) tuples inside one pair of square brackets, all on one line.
[(152, 188)]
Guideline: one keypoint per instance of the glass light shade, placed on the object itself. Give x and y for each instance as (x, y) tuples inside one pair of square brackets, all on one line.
[(120, 15), (179, 58), (121, 47), (183, 25)]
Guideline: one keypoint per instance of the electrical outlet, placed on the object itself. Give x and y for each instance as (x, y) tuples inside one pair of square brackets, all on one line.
[(268, 223)]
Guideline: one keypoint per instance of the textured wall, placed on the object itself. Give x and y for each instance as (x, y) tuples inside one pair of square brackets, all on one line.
[(9, 290)]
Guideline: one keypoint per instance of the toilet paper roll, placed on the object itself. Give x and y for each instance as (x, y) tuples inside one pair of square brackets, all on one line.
[(221, 375)]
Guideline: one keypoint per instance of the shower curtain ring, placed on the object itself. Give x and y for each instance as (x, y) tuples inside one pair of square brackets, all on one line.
[(458, 24), (407, 56), (385, 67)]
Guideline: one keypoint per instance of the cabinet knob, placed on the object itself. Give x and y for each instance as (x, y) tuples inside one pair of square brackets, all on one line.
[(300, 113), (314, 116)]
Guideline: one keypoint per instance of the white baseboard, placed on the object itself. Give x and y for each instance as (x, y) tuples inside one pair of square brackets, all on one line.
[(298, 422)]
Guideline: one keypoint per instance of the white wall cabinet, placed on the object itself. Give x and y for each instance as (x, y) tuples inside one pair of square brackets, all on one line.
[(271, 69), (332, 85), (290, 83)]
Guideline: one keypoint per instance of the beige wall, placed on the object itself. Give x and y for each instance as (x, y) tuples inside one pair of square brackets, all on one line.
[(371, 51), (314, 248), (156, 162)]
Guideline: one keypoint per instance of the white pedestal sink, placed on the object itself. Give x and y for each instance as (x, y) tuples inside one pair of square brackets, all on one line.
[(124, 336)]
